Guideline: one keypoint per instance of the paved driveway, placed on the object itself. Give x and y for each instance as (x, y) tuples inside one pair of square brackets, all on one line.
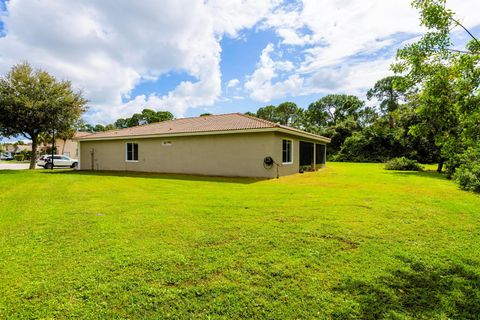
[(14, 166)]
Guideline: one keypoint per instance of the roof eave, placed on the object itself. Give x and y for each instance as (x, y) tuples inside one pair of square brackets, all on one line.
[(203, 133), (178, 134)]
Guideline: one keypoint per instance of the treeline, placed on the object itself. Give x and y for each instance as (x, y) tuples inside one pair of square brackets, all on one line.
[(145, 117), (358, 132)]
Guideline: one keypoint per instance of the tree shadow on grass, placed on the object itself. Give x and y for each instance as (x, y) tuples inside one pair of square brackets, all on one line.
[(151, 175), (424, 174), (420, 292), (10, 171)]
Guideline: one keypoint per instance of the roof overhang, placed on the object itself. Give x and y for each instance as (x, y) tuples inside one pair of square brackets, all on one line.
[(307, 135)]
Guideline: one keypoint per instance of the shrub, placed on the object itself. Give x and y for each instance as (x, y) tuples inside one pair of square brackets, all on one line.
[(27, 155), (19, 157), (467, 175), (373, 144), (404, 164)]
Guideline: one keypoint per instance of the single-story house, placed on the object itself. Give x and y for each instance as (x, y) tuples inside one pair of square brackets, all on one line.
[(218, 145), (18, 148)]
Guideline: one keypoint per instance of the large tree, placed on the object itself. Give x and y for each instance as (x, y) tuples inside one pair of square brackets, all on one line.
[(268, 113), (390, 93), (446, 81), (286, 113), (121, 123), (164, 116), (334, 108), (33, 102), (147, 116)]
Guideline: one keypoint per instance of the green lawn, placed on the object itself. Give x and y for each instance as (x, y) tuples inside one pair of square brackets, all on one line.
[(349, 241)]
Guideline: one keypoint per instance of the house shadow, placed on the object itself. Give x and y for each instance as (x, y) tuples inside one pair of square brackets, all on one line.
[(153, 175), (424, 174), (419, 291)]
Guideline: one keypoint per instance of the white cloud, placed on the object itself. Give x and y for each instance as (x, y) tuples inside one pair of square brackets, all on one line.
[(233, 15), (349, 78), (107, 47), (344, 46), (232, 83), (260, 84)]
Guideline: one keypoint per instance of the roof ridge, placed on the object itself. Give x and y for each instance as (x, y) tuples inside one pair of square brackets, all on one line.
[(259, 119), (166, 121)]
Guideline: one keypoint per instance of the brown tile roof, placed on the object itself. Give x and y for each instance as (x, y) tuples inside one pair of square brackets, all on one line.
[(195, 125), (80, 134), (18, 148)]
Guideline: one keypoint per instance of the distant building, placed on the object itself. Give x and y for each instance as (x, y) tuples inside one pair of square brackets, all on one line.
[(69, 147), (18, 148)]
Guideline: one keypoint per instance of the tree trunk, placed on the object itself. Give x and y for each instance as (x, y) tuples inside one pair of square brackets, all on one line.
[(440, 166), (33, 159), (391, 121)]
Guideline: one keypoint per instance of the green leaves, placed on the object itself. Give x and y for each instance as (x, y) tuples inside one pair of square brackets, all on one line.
[(333, 108), (447, 81), (33, 102), (286, 113), (434, 14)]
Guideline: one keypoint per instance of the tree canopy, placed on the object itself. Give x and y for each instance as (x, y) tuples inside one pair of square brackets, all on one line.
[(34, 102), (334, 108), (444, 82), (286, 113)]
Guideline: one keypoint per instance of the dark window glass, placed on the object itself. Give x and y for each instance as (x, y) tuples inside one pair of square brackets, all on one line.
[(132, 152), (306, 153), (135, 151), (320, 150)]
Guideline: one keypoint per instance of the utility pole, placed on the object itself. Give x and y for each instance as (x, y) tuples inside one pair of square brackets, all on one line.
[(53, 146)]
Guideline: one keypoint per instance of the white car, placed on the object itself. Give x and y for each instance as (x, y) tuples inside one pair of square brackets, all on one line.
[(6, 156), (58, 161)]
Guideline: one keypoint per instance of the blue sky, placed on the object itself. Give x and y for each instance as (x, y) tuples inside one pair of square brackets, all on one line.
[(191, 57)]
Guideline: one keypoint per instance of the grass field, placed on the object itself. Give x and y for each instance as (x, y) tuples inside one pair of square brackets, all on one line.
[(349, 241)]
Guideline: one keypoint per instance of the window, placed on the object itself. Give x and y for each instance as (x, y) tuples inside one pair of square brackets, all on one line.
[(287, 151), (132, 151)]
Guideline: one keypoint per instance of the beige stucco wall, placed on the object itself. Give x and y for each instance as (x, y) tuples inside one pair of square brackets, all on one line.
[(239, 154)]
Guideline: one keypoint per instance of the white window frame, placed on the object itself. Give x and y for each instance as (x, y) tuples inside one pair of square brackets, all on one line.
[(126, 151), (291, 151)]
